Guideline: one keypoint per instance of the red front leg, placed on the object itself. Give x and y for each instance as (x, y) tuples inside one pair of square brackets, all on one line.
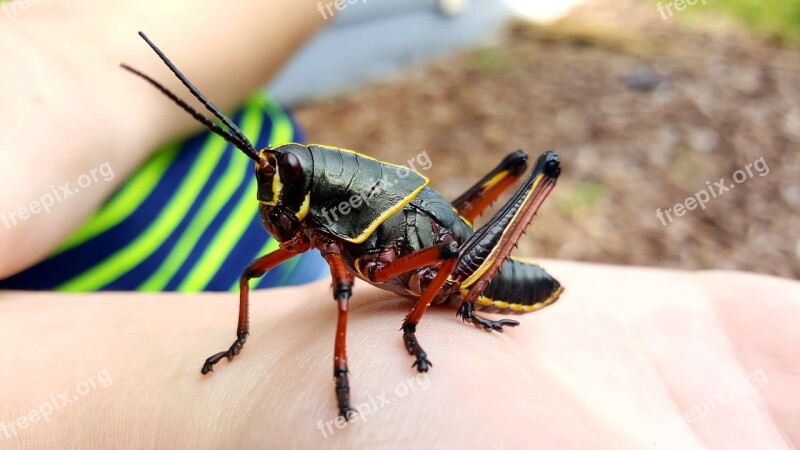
[(255, 270)]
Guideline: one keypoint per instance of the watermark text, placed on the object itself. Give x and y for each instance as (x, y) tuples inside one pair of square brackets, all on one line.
[(44, 411), (375, 403), (679, 5), (13, 7), (47, 201), (421, 162), (340, 5), (712, 191)]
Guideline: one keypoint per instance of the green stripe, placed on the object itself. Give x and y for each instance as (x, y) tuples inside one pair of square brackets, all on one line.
[(234, 227), (154, 236), (282, 130), (226, 238), (128, 200), (232, 178)]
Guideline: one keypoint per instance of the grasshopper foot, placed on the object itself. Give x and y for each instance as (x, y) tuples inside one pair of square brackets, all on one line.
[(234, 350), (467, 313), (347, 413), (410, 340), (422, 364), (342, 382)]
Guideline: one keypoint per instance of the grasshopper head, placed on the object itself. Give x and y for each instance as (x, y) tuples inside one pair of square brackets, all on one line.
[(283, 173), (284, 185)]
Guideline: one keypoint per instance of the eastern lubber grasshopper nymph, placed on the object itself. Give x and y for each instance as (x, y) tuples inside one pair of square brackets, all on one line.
[(406, 239)]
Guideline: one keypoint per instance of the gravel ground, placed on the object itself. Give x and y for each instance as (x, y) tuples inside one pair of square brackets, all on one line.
[(644, 112)]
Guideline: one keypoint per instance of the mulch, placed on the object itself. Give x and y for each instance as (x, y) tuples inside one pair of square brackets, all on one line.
[(644, 113)]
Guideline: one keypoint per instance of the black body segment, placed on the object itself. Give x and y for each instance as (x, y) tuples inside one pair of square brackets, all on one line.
[(423, 222), (520, 287), (352, 194), (429, 203)]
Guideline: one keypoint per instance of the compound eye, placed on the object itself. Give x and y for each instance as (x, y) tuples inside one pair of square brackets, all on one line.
[(289, 168), (266, 167), (274, 217)]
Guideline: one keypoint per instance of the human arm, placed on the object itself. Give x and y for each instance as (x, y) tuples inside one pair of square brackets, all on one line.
[(67, 108)]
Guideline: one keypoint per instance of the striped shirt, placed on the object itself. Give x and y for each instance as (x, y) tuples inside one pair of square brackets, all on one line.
[(187, 221)]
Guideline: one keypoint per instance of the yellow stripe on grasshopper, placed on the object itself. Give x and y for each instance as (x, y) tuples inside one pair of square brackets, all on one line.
[(492, 256)]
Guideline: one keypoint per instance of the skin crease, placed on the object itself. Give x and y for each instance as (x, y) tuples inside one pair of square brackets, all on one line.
[(612, 364)]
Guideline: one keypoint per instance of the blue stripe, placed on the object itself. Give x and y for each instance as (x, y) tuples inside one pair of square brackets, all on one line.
[(253, 240), (52, 272), (75, 261), (132, 279)]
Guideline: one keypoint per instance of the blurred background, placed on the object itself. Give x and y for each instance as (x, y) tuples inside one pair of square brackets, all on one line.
[(647, 102)]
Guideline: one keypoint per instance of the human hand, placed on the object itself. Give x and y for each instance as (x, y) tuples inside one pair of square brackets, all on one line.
[(627, 358)]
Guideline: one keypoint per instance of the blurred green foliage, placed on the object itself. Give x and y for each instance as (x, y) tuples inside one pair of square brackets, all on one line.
[(578, 201), (490, 59), (771, 18)]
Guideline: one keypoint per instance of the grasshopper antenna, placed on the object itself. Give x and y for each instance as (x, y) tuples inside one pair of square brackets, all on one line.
[(206, 102), (246, 147), (242, 142)]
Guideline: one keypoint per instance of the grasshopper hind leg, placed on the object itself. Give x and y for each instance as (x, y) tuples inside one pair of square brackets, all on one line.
[(415, 315), (490, 247), (476, 199), (443, 255)]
